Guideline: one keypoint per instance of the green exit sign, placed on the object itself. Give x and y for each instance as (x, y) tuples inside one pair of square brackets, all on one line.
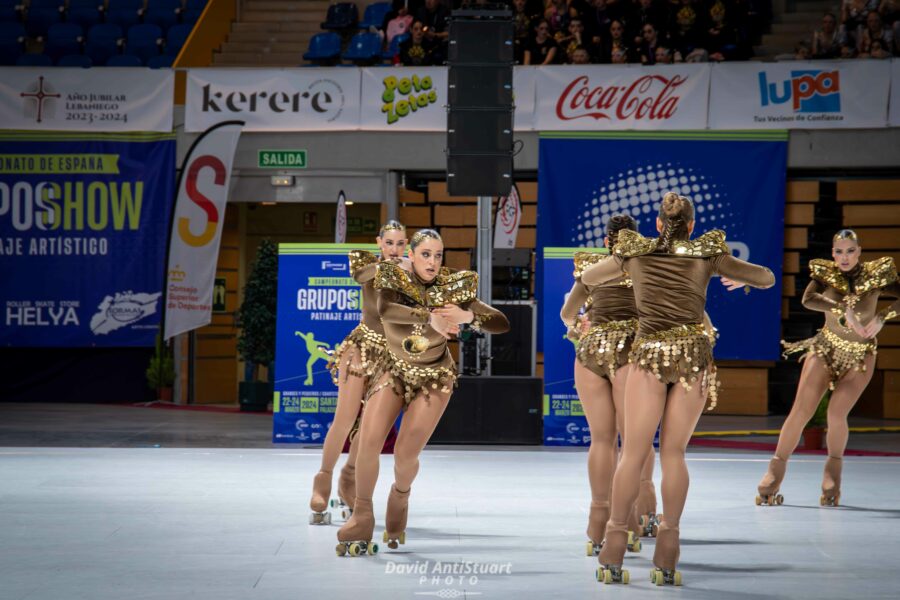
[(282, 159)]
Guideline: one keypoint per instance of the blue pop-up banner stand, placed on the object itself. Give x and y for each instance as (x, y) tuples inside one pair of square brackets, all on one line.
[(83, 227), (319, 303)]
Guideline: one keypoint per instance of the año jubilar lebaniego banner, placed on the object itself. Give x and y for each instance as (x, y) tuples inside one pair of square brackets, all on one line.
[(319, 303), (83, 223)]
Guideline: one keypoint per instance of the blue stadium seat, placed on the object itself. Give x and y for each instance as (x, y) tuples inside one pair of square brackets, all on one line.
[(42, 14), (103, 41), (124, 60), (192, 11), (34, 60), (12, 42), (85, 16), (75, 60), (162, 61), (9, 10), (143, 41), (124, 13), (342, 15), (394, 47), (162, 12), (323, 46), (176, 37), (63, 39), (374, 15), (364, 48)]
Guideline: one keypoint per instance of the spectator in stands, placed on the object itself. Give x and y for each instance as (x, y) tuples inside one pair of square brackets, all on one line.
[(687, 37), (802, 50), (617, 49), (646, 12), (596, 21), (827, 41), (649, 43), (522, 21), (874, 31), (581, 56), (877, 49), (541, 49), (434, 16), (853, 16), (576, 39), (890, 15), (557, 16), (417, 51), (721, 38), (397, 21)]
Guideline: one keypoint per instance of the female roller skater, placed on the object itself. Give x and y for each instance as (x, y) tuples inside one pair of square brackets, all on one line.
[(359, 356), (418, 310), (673, 367), (601, 370), (840, 357)]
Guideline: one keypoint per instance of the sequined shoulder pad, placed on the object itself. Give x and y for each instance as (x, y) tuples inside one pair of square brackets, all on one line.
[(825, 271), (877, 274), (585, 260), (359, 259), (631, 243), (454, 288), (711, 243), (389, 276)]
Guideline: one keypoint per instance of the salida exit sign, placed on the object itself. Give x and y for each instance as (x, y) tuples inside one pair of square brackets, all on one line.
[(282, 159)]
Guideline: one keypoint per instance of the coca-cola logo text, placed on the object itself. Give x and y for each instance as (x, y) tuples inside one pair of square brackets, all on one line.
[(650, 97)]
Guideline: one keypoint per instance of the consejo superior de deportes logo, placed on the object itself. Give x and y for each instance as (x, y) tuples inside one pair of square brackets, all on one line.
[(809, 91)]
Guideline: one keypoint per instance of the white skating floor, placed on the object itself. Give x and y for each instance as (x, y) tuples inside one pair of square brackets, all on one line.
[(114, 523)]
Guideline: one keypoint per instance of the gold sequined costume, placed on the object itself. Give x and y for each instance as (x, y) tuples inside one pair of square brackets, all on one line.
[(831, 291), (670, 293), (613, 315), (419, 361)]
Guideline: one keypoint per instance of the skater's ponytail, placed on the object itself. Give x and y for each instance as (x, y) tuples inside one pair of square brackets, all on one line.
[(616, 224), (676, 213)]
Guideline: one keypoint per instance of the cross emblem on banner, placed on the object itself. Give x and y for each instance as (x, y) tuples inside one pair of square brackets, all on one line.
[(39, 97)]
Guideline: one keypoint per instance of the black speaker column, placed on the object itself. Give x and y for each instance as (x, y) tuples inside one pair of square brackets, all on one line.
[(480, 107)]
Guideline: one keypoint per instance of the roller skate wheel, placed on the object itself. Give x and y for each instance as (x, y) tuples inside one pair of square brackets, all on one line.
[(354, 549), (333, 503), (644, 521), (346, 514), (676, 579), (759, 500), (402, 537), (384, 537), (658, 577), (837, 500), (779, 499), (327, 519), (340, 549), (589, 549), (372, 549), (607, 576), (626, 577), (654, 531), (393, 545), (599, 574)]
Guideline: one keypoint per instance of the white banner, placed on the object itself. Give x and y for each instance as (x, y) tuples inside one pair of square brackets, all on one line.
[(95, 100), (894, 118), (507, 219), (600, 97), (404, 99), (340, 221), (800, 95), (273, 100), (523, 89), (197, 229)]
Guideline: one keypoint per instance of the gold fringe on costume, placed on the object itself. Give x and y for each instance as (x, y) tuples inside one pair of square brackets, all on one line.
[(409, 380), (605, 347), (839, 355), (681, 354), (372, 355)]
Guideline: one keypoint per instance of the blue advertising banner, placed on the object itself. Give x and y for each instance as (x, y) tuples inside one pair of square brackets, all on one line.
[(83, 226), (319, 303), (737, 183)]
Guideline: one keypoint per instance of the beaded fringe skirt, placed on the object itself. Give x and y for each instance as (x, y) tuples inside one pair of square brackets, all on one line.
[(839, 355), (372, 354), (409, 380), (605, 347)]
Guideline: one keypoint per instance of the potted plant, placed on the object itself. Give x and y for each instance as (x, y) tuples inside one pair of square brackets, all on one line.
[(814, 433), (256, 319), (161, 371)]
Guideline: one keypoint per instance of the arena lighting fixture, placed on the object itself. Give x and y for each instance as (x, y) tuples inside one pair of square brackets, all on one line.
[(268, 203), (348, 203), (282, 180)]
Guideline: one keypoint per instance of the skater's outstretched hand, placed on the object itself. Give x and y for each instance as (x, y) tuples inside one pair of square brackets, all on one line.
[(404, 263), (454, 314), (731, 284)]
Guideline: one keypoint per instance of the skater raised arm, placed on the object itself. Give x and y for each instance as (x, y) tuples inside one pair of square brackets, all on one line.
[(603, 272), (575, 300), (743, 272), (814, 299)]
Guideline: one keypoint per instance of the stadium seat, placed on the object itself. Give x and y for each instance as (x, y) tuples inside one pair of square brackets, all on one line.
[(75, 60), (176, 37), (42, 14), (12, 42), (363, 48), (323, 46), (124, 13), (63, 39), (374, 15), (103, 41), (124, 60), (342, 15), (34, 60), (143, 41), (86, 13), (162, 61), (10, 10), (394, 47), (163, 13), (192, 11)]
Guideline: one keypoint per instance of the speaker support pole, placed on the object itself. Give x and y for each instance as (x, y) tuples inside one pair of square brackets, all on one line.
[(483, 253)]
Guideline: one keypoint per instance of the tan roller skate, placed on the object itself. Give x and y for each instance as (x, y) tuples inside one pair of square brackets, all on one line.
[(767, 491), (346, 491), (665, 556), (596, 528), (355, 537), (612, 555), (395, 518), (319, 501), (645, 507), (831, 482)]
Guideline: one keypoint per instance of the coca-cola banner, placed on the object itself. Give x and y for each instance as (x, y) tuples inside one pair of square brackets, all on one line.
[(800, 95), (273, 99), (604, 97)]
